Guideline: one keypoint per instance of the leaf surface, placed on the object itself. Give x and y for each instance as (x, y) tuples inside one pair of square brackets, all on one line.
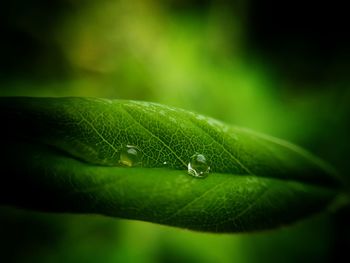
[(64, 155)]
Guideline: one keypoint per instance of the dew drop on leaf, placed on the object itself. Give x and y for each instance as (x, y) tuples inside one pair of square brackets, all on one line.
[(198, 166), (130, 156)]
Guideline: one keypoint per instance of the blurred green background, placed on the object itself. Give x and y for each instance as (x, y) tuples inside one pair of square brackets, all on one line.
[(277, 68)]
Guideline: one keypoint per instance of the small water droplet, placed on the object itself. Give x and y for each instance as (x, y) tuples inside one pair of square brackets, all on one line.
[(130, 156), (164, 163), (198, 166)]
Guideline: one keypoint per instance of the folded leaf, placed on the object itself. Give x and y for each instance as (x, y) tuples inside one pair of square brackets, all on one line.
[(130, 159)]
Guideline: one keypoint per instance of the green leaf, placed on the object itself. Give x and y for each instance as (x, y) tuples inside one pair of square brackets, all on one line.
[(63, 155)]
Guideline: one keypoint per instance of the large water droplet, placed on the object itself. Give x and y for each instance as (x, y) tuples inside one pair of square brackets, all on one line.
[(130, 156), (198, 166)]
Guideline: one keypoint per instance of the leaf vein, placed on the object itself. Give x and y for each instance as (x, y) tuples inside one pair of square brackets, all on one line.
[(178, 211), (154, 136), (224, 148), (97, 132)]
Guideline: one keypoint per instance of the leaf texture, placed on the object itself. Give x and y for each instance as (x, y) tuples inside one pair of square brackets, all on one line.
[(64, 155)]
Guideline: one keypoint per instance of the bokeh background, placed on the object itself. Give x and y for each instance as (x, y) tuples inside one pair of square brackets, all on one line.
[(278, 67)]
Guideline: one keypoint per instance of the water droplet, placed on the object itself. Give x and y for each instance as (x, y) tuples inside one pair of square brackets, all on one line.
[(198, 166), (130, 156), (164, 163)]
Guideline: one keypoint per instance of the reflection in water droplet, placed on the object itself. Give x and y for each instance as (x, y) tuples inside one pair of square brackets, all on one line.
[(198, 166), (130, 156)]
